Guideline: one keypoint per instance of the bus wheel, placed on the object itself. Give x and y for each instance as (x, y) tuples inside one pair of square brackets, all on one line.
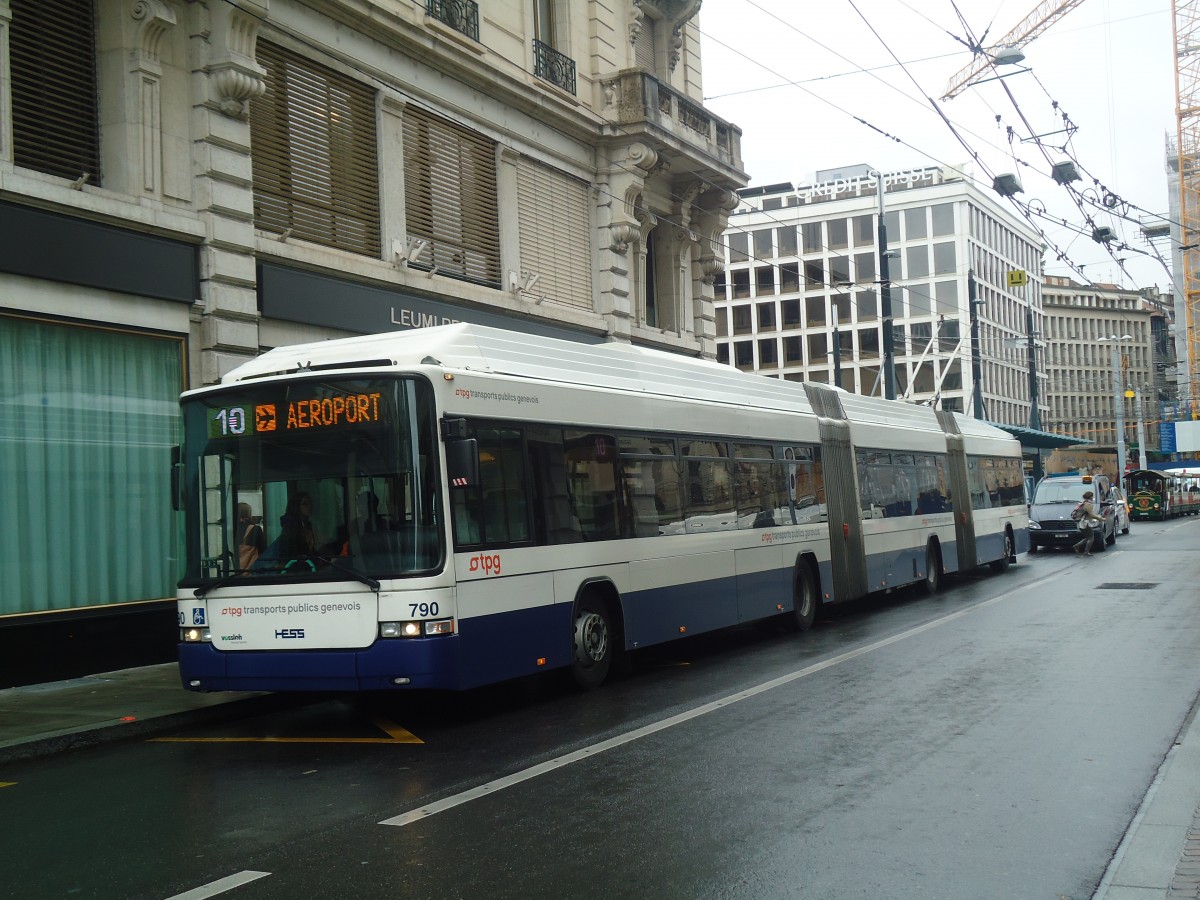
[(592, 642), (805, 610), (999, 565), (933, 569)]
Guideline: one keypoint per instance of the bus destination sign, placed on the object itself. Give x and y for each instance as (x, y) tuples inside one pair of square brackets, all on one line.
[(322, 413)]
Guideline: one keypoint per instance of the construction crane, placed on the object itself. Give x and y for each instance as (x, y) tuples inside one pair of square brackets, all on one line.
[(1045, 15), (1186, 18)]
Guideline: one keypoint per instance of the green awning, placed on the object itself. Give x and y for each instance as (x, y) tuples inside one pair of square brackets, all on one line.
[(1033, 439)]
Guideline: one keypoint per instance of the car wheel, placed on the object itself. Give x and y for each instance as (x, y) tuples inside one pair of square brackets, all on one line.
[(1112, 538), (1099, 543), (1033, 548)]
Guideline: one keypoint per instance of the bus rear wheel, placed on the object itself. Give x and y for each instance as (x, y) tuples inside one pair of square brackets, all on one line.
[(932, 581), (805, 610), (591, 637)]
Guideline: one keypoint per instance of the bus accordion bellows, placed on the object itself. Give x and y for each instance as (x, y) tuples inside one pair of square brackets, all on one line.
[(460, 505)]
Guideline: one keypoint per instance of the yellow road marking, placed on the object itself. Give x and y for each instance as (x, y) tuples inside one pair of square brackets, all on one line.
[(4, 784), (396, 735)]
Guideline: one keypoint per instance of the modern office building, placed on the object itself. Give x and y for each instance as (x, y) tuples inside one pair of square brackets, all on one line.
[(184, 183), (1089, 373), (802, 293)]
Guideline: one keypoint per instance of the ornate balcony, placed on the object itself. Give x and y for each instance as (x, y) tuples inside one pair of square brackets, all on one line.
[(461, 15), (638, 101), (551, 65)]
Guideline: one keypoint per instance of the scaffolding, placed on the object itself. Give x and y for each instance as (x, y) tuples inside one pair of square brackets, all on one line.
[(1186, 21)]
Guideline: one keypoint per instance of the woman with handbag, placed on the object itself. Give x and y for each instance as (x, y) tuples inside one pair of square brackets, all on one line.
[(1085, 516)]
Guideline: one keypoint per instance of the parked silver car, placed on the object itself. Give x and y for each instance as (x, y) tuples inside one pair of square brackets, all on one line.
[(1121, 508)]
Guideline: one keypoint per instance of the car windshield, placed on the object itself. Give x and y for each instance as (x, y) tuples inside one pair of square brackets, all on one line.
[(313, 478), (1060, 492)]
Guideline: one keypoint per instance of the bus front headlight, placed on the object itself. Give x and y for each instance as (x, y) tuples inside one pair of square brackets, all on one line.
[(195, 635)]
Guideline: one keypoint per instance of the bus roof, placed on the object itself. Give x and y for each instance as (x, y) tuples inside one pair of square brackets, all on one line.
[(464, 347)]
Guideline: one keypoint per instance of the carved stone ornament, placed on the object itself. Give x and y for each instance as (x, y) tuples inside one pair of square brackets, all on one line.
[(623, 234), (711, 267), (236, 77), (156, 19), (673, 14)]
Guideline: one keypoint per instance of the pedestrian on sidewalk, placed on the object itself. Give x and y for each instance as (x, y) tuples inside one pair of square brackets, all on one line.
[(1085, 515)]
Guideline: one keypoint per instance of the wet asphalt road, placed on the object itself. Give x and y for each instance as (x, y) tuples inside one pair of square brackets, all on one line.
[(992, 741)]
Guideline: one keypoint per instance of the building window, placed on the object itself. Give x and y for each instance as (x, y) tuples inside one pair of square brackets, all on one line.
[(864, 232), (917, 259), (914, 224), (739, 246), (787, 240), (764, 279), (814, 274), (555, 233), (944, 258), (791, 313), (792, 350), (762, 243), (811, 235), (789, 277), (450, 197), (768, 353), (55, 121), (741, 283), (841, 306), (766, 316), (838, 239), (86, 410), (814, 309), (742, 320), (943, 219), (743, 354), (313, 154)]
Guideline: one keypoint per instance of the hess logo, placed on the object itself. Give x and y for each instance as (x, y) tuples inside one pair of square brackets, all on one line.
[(287, 633)]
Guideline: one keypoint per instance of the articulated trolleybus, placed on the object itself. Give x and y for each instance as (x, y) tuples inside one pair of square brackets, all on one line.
[(460, 505)]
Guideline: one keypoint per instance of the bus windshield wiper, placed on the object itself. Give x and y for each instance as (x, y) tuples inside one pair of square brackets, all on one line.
[(370, 582)]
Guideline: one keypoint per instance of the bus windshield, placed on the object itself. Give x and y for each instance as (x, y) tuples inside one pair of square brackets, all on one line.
[(312, 479)]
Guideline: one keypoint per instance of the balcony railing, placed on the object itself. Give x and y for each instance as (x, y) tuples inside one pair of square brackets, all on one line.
[(555, 68), (635, 98), (461, 15)]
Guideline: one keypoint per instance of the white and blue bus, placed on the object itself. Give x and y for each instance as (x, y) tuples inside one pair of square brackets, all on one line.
[(460, 505)]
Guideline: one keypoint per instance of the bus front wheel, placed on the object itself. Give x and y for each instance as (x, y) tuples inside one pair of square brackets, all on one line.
[(592, 634)]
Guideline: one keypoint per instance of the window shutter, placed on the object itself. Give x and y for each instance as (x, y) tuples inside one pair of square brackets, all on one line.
[(450, 197), (313, 151), (555, 233), (56, 127), (643, 46)]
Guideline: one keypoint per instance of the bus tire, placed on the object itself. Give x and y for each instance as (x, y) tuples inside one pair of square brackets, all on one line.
[(591, 641), (932, 582), (999, 565), (804, 612)]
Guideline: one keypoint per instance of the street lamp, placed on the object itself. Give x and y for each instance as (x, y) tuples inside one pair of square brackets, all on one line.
[(1118, 401)]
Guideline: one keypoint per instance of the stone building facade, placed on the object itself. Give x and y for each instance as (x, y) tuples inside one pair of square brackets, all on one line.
[(184, 183)]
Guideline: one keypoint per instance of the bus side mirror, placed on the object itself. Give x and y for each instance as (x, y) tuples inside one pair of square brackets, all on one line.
[(462, 462), (176, 479)]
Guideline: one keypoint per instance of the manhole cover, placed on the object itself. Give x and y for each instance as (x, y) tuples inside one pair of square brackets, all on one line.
[(1127, 586)]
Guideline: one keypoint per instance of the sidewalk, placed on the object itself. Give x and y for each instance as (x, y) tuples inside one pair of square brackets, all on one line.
[(42, 719), (1158, 858)]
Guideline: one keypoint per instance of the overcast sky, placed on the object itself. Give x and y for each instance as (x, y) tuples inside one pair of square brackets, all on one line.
[(796, 75)]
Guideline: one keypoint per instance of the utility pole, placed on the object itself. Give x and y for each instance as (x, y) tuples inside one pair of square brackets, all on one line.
[(1035, 419), (976, 364), (1141, 429), (885, 302), (837, 356)]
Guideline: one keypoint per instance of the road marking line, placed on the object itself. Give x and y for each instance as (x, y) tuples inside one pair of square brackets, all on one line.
[(396, 735), (220, 886), (492, 787), (4, 784)]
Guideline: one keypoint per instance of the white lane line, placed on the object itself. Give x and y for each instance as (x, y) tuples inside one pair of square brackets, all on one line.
[(220, 886), (492, 787)]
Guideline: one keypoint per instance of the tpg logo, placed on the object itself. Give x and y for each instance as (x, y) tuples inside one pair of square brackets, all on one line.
[(286, 633)]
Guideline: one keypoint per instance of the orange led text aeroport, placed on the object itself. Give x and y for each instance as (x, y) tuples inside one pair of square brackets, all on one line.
[(346, 409)]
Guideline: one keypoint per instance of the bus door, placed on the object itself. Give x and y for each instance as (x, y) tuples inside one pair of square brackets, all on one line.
[(847, 552)]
